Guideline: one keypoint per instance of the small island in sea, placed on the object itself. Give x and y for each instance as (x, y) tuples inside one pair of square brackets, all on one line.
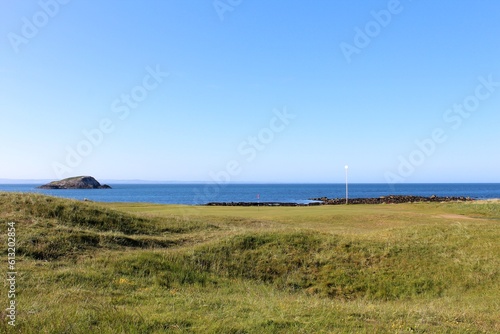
[(78, 182)]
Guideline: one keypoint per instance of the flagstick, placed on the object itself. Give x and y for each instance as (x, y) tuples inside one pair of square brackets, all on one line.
[(346, 188)]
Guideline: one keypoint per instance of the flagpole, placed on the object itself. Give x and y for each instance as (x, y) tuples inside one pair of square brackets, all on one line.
[(346, 186)]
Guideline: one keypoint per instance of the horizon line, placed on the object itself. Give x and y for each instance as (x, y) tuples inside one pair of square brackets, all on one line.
[(141, 181)]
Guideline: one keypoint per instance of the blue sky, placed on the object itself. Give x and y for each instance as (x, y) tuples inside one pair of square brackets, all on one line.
[(250, 91)]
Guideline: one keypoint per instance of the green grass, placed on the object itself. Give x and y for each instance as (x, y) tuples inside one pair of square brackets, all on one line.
[(142, 268)]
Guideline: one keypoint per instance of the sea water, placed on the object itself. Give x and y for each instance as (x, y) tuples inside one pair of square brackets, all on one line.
[(202, 193)]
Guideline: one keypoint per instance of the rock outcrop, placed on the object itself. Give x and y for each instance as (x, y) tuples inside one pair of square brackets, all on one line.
[(262, 204), (392, 199), (79, 182)]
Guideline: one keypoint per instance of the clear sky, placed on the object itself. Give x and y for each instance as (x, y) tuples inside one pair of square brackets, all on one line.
[(251, 91)]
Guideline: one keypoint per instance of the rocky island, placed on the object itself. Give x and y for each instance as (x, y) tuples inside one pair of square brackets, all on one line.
[(79, 182)]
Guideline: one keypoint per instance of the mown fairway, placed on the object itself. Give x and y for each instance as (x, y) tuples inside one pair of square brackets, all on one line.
[(142, 268)]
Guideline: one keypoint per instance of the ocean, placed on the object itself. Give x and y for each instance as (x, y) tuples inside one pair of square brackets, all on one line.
[(202, 193)]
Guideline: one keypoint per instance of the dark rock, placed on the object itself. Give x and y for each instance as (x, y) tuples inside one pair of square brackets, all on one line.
[(79, 182), (257, 204), (392, 199)]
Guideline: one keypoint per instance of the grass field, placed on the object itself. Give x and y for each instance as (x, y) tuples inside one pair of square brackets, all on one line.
[(142, 268)]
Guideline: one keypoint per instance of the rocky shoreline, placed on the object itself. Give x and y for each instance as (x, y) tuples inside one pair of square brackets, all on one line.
[(262, 204), (391, 199)]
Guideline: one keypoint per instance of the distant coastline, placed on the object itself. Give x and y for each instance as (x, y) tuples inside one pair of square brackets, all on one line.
[(167, 182)]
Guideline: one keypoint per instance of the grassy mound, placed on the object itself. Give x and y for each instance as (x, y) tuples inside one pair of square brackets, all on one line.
[(87, 267), (73, 213), (55, 227), (347, 268)]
